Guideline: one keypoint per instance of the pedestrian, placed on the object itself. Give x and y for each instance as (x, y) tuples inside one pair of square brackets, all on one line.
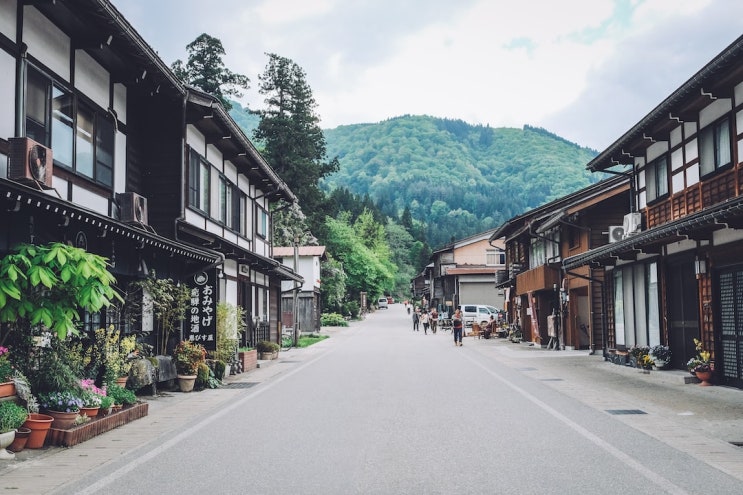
[(425, 321), (457, 325), (416, 319), (434, 319)]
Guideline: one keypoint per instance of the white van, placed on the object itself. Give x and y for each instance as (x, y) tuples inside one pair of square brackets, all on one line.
[(478, 312)]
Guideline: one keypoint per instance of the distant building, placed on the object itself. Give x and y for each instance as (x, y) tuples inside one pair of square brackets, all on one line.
[(309, 301)]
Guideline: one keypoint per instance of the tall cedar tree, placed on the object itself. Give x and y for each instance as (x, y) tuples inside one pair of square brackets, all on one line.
[(206, 71), (294, 144)]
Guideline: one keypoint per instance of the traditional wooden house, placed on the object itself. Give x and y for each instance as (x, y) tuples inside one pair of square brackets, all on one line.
[(676, 273), (107, 150), (464, 271), (555, 306), (304, 261)]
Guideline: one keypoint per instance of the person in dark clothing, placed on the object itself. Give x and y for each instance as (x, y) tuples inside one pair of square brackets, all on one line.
[(457, 324), (416, 320)]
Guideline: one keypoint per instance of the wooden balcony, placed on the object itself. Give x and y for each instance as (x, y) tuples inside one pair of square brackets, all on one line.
[(540, 278)]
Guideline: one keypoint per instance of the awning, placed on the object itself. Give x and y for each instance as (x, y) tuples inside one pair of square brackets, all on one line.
[(704, 222), (20, 194)]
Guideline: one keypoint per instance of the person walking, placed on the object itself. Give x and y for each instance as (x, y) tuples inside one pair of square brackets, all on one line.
[(434, 319), (425, 321), (457, 325), (416, 320)]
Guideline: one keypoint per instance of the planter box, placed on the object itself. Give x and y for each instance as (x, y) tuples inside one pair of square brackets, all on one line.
[(620, 359), (249, 359), (96, 426)]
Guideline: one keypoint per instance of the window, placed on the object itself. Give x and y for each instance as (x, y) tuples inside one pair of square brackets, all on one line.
[(637, 305), (262, 226), (198, 182), (544, 249), (495, 257), (714, 146), (656, 178), (230, 205), (81, 136)]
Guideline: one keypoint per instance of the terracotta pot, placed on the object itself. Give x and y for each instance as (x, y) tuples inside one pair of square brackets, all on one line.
[(62, 419), (122, 380), (7, 389), (90, 412), (39, 424), (21, 438), (186, 382), (704, 377)]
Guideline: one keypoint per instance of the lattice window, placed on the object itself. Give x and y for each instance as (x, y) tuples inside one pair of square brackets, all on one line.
[(718, 189)]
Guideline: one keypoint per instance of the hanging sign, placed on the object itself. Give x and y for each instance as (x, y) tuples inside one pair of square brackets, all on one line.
[(201, 323)]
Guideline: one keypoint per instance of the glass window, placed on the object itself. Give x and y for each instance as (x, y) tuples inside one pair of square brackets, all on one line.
[(37, 96), (262, 223), (656, 178), (104, 150), (714, 146), (84, 142), (62, 126), (198, 182)]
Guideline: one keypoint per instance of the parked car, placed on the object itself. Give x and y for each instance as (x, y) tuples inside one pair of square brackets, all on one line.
[(382, 303), (478, 312)]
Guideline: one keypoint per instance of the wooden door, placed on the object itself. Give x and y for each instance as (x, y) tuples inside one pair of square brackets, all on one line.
[(683, 311)]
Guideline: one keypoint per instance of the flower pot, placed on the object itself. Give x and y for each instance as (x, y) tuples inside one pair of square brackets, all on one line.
[(186, 382), (7, 389), (704, 377), (21, 438), (39, 425), (62, 419), (5, 440), (266, 356), (121, 381), (90, 412)]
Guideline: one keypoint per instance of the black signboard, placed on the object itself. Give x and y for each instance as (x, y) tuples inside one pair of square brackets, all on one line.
[(201, 321)]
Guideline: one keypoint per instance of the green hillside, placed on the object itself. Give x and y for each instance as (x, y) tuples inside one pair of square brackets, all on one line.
[(457, 179)]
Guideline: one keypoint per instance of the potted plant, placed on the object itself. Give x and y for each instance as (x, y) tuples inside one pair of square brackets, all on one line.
[(188, 356), (106, 403), (7, 387), (12, 417), (64, 406), (267, 350), (661, 355), (637, 354), (700, 365)]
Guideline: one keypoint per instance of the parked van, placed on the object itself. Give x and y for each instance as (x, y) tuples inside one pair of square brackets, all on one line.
[(478, 312)]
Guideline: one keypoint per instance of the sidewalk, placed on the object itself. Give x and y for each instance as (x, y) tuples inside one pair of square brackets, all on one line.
[(167, 413), (704, 422)]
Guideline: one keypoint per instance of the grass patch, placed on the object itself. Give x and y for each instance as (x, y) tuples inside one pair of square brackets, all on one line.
[(308, 340)]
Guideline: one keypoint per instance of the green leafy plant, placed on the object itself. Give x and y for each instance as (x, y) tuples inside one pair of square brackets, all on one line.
[(661, 352), (166, 299), (188, 356), (121, 395), (333, 320), (12, 416), (308, 340), (48, 284), (106, 402), (266, 346), (231, 324), (6, 369)]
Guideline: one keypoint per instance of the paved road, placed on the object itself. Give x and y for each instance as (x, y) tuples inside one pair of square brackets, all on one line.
[(380, 409)]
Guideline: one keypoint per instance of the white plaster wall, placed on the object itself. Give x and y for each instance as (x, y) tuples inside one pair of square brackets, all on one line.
[(214, 156), (714, 111), (47, 43), (92, 79), (738, 95), (656, 149), (230, 267), (195, 140), (89, 200), (230, 171), (120, 101), (8, 9), (7, 95)]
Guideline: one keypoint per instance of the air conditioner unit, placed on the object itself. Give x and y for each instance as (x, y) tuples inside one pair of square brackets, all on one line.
[(632, 223), (132, 208), (30, 161), (616, 233)]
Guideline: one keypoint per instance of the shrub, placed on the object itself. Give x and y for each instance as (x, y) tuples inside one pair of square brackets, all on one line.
[(12, 416), (333, 320), (266, 346)]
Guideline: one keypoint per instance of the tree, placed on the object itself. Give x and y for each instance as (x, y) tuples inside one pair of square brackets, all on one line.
[(206, 71), (293, 143)]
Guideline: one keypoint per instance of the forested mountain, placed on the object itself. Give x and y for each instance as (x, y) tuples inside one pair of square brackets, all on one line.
[(456, 179)]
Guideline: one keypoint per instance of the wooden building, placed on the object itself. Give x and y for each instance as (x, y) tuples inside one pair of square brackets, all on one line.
[(677, 272)]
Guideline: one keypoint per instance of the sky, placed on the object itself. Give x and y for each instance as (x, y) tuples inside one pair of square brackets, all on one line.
[(586, 70)]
